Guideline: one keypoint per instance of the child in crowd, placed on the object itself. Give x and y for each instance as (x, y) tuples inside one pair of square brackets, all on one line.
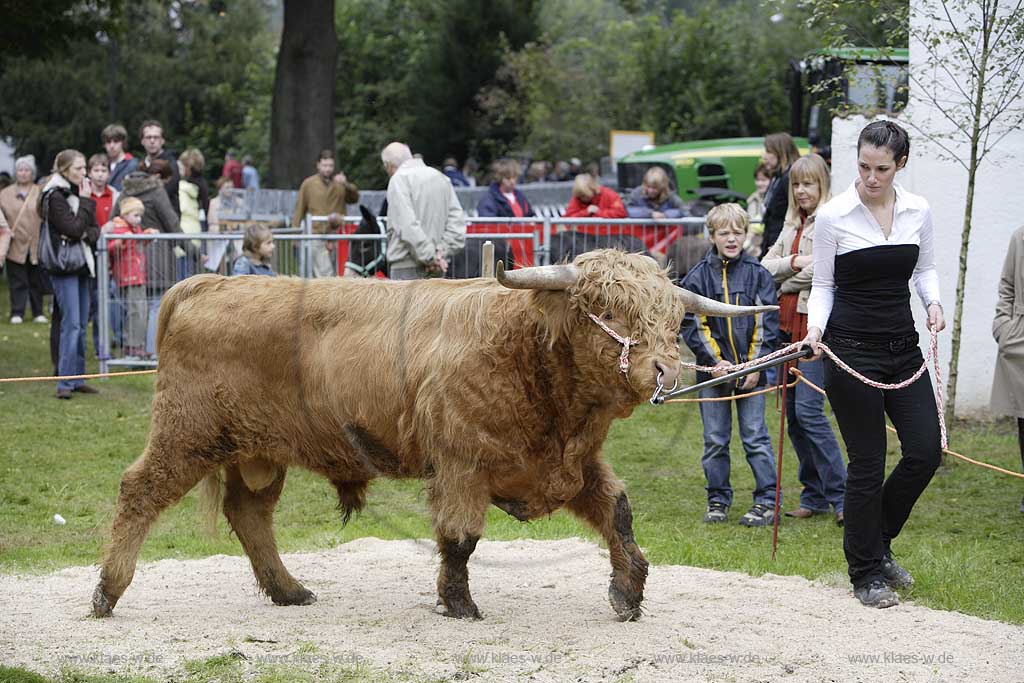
[(755, 210), (128, 267), (257, 251), (730, 275)]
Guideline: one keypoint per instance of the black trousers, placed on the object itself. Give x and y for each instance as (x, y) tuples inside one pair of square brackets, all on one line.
[(27, 285), (1020, 439), (876, 507)]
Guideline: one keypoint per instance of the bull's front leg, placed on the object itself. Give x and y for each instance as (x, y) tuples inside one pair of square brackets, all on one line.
[(453, 598), (458, 501), (602, 502)]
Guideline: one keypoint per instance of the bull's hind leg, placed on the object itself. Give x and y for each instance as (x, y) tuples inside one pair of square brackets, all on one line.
[(458, 502), (251, 515), (603, 503), (150, 485)]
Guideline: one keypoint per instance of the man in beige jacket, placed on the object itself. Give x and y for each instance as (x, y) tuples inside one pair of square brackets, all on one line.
[(426, 224), (325, 193)]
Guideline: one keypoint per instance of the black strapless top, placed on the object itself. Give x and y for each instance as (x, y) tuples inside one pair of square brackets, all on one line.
[(872, 295)]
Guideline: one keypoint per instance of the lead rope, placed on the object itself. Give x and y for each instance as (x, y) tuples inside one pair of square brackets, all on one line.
[(933, 356), (625, 341)]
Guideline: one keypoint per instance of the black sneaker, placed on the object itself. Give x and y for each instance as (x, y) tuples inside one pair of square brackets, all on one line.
[(716, 512), (876, 594), (894, 575), (758, 515)]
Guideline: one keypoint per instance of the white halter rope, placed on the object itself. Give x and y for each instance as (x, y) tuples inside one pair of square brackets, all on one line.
[(625, 341), (932, 357)]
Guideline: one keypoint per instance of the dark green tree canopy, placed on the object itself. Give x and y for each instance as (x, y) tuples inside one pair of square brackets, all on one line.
[(537, 78)]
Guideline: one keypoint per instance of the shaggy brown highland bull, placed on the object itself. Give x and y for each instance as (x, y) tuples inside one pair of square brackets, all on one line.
[(494, 392)]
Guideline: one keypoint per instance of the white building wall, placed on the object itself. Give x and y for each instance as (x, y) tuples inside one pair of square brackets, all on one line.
[(998, 211)]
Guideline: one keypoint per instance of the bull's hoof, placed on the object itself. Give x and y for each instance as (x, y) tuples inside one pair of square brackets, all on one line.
[(102, 606), (299, 597), (625, 603), (458, 609)]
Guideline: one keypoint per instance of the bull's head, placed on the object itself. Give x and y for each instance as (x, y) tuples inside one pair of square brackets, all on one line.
[(607, 300)]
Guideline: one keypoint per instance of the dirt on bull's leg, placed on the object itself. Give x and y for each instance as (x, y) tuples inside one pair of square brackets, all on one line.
[(626, 591), (453, 579), (604, 504)]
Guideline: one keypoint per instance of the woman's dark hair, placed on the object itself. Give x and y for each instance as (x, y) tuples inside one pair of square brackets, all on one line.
[(158, 167), (886, 134), (784, 149)]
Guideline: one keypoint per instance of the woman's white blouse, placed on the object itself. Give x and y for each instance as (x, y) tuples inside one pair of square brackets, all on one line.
[(844, 224)]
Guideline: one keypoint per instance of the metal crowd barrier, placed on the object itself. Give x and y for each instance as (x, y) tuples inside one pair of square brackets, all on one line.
[(135, 271), (278, 205)]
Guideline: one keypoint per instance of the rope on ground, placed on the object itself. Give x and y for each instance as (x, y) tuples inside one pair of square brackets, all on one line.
[(98, 375), (800, 378)]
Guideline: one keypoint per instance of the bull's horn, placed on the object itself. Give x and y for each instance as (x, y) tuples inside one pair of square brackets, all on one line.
[(701, 305), (538, 277)]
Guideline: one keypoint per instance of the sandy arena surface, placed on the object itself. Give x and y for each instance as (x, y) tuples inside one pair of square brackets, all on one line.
[(546, 618)]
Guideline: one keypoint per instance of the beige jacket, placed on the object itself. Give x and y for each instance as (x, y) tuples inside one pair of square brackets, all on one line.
[(1008, 330), (320, 197), (23, 240), (779, 263), (424, 215)]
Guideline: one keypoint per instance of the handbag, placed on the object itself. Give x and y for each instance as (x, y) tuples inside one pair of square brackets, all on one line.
[(69, 258)]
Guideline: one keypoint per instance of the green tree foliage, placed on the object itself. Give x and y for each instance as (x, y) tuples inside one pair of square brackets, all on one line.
[(718, 71), (43, 27), (581, 79), (184, 63), (548, 78), (412, 71)]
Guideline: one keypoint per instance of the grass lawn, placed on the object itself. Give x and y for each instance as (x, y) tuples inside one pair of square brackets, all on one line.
[(964, 542)]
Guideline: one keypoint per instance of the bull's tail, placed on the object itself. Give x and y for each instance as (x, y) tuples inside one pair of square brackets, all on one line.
[(174, 296), (211, 492)]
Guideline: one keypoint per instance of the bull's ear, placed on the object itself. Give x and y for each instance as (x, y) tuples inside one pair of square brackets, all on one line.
[(538, 277), (701, 305)]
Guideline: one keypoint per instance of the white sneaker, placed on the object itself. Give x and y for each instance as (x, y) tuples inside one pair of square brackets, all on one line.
[(41, 319), (16, 320)]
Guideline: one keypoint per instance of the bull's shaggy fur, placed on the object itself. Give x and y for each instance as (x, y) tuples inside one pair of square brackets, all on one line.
[(491, 395)]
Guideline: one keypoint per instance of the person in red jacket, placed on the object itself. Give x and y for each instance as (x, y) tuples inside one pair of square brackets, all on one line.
[(128, 266), (590, 200)]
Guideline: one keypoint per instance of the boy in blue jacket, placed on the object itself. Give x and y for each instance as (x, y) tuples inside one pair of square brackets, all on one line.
[(728, 274)]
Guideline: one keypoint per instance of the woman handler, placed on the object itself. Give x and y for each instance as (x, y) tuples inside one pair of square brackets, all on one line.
[(870, 241)]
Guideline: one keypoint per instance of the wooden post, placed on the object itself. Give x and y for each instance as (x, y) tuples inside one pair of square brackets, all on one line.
[(487, 260)]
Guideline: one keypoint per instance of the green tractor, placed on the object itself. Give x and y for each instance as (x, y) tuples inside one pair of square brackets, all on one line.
[(714, 170), (825, 83)]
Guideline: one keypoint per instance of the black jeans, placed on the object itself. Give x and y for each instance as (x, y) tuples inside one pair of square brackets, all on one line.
[(876, 508), (26, 282), (1020, 439)]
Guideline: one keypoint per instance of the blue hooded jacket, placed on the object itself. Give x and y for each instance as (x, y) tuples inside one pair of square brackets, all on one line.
[(494, 204), (743, 282)]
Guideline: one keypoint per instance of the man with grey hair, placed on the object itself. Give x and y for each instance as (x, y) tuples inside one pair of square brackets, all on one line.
[(426, 224)]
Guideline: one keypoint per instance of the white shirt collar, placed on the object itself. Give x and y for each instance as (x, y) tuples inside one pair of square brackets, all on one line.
[(905, 201)]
